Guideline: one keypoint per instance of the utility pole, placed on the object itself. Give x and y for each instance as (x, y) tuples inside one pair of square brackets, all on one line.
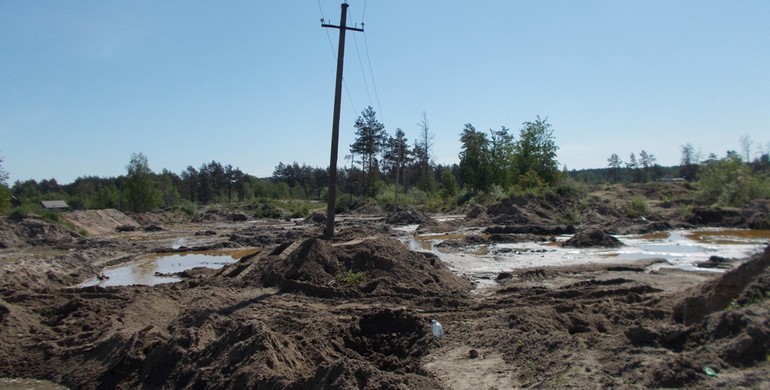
[(329, 232)]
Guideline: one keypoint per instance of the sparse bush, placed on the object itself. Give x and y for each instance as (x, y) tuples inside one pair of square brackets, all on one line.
[(268, 209), (18, 214), (347, 202), (687, 211), (573, 217), (52, 216), (350, 278), (570, 187), (637, 207), (188, 207), (297, 209)]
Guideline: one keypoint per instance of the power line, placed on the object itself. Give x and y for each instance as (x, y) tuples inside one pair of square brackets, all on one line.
[(363, 72), (334, 55), (328, 36), (374, 85)]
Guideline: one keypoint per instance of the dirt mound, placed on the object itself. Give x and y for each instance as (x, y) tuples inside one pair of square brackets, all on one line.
[(754, 216), (517, 211), (316, 218), (363, 267), (546, 230), (719, 294), (96, 222), (34, 231), (407, 217), (588, 238)]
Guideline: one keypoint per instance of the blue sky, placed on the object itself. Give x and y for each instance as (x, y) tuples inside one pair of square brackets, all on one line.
[(84, 84)]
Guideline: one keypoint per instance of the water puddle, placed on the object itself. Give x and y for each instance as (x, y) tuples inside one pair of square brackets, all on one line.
[(156, 269), (681, 249)]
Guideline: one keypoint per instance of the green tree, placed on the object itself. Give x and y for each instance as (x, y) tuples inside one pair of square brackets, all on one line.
[(647, 161), (397, 153), (422, 146), (535, 153), (614, 163), (690, 159), (5, 193), (370, 138), (449, 186), (501, 148), (169, 183), (142, 192), (730, 182), (474, 159)]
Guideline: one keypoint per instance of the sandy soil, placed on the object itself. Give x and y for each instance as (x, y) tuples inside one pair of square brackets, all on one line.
[(283, 318)]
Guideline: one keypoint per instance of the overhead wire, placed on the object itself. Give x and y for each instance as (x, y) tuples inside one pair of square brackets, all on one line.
[(363, 72), (374, 85), (334, 55), (369, 61)]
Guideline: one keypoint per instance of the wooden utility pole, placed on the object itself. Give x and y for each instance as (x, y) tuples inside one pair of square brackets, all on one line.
[(329, 232)]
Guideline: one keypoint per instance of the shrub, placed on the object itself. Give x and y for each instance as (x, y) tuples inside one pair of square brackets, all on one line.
[(573, 217), (297, 209), (730, 182), (637, 207)]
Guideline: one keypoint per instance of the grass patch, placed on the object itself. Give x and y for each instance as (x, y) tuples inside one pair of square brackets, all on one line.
[(350, 278)]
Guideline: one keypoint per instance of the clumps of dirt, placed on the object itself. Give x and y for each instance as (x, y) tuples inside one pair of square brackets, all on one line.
[(719, 294), (520, 210), (316, 218), (722, 324), (407, 217), (245, 347), (592, 237), (266, 235), (34, 231), (434, 226), (547, 230), (755, 215), (391, 339), (715, 262), (486, 239), (368, 266)]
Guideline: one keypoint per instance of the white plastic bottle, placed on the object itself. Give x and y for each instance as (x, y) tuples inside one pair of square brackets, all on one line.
[(438, 330)]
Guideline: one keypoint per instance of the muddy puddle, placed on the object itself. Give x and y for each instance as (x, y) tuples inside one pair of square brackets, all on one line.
[(160, 268), (681, 249)]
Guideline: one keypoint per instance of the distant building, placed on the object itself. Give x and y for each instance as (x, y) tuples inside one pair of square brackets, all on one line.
[(55, 205), (672, 180)]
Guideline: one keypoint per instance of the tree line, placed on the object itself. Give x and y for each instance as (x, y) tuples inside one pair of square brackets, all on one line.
[(384, 167)]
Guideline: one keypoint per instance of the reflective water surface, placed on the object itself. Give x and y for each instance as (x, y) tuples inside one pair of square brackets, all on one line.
[(155, 269), (681, 249)]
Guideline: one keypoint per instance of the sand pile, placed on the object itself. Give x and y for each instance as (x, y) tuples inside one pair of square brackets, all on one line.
[(374, 265), (34, 231), (591, 237)]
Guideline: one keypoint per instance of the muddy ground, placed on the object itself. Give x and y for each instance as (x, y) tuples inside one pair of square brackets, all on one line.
[(355, 312)]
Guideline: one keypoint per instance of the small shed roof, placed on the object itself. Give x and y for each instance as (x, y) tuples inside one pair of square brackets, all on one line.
[(55, 204)]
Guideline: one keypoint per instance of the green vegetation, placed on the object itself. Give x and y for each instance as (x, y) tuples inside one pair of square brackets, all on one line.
[(498, 160), (637, 207), (5, 193), (142, 191), (386, 171), (350, 278), (730, 182)]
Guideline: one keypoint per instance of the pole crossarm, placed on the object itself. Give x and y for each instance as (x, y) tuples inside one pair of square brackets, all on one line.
[(346, 27)]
